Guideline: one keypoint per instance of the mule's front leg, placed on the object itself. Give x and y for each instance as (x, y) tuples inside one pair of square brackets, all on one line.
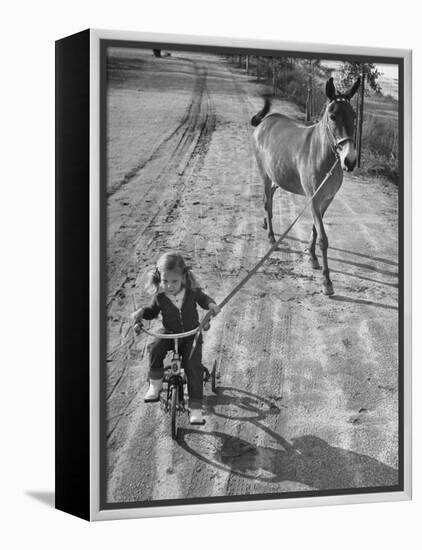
[(313, 257), (323, 244), (328, 285)]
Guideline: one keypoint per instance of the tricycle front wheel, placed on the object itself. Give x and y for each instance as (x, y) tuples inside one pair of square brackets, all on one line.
[(213, 377)]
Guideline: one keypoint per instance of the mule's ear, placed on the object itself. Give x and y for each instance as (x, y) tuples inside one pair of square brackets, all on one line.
[(330, 89), (353, 89)]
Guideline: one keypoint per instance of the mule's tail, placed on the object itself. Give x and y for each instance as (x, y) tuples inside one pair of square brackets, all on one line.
[(259, 117)]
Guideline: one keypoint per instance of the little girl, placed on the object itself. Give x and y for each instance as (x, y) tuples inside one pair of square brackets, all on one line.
[(176, 295)]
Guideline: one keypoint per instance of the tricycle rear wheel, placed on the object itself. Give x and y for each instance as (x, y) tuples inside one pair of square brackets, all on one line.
[(174, 405)]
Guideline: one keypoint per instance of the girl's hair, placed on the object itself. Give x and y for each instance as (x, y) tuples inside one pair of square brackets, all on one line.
[(170, 261)]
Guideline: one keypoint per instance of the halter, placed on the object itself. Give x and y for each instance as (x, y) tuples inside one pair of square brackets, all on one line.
[(336, 144)]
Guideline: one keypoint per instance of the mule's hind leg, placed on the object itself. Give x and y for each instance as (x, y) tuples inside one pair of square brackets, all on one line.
[(269, 191), (313, 260), (268, 204), (264, 223), (268, 198)]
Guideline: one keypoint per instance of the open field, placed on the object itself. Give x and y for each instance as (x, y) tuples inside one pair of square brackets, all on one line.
[(382, 107)]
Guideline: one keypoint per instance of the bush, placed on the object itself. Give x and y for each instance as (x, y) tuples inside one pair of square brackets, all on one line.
[(292, 85), (380, 136), (378, 166), (380, 148)]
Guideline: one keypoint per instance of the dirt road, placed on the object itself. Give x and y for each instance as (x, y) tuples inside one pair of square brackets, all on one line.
[(308, 394)]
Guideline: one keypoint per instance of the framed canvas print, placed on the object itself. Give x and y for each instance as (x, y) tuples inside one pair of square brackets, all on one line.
[(233, 274)]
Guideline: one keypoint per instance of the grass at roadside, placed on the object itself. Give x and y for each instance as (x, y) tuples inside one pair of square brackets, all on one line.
[(380, 147)]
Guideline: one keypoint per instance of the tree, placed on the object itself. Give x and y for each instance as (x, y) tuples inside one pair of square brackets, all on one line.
[(315, 98), (351, 71), (368, 73)]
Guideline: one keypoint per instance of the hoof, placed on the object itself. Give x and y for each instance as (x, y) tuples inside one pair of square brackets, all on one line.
[(271, 238), (264, 224), (314, 263), (328, 289)]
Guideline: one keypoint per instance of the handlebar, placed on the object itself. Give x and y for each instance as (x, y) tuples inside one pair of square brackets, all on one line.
[(170, 336)]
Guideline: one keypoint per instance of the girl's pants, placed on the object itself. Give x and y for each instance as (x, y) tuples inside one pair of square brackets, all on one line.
[(193, 366)]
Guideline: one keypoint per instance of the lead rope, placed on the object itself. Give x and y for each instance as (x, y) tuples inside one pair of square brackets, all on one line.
[(261, 261), (333, 143)]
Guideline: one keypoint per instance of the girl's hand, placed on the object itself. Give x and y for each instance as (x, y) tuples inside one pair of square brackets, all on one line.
[(215, 310), (137, 316)]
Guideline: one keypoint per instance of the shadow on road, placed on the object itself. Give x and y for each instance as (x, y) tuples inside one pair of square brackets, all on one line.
[(235, 404), (343, 261), (338, 298), (307, 459), (374, 258), (362, 278), (46, 497)]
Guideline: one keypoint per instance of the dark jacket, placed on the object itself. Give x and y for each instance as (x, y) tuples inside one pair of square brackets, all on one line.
[(175, 320)]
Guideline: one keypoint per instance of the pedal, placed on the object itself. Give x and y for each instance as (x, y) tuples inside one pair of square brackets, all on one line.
[(205, 374)]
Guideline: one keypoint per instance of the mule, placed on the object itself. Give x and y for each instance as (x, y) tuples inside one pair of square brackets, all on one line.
[(297, 158)]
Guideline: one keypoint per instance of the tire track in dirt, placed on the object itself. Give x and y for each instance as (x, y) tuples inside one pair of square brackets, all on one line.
[(183, 134), (163, 177), (193, 142), (190, 150)]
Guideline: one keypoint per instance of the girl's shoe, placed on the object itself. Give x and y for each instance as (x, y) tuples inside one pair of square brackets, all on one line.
[(196, 417), (154, 390)]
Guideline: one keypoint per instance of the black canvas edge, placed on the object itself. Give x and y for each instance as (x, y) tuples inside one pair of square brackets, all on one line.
[(72, 383)]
